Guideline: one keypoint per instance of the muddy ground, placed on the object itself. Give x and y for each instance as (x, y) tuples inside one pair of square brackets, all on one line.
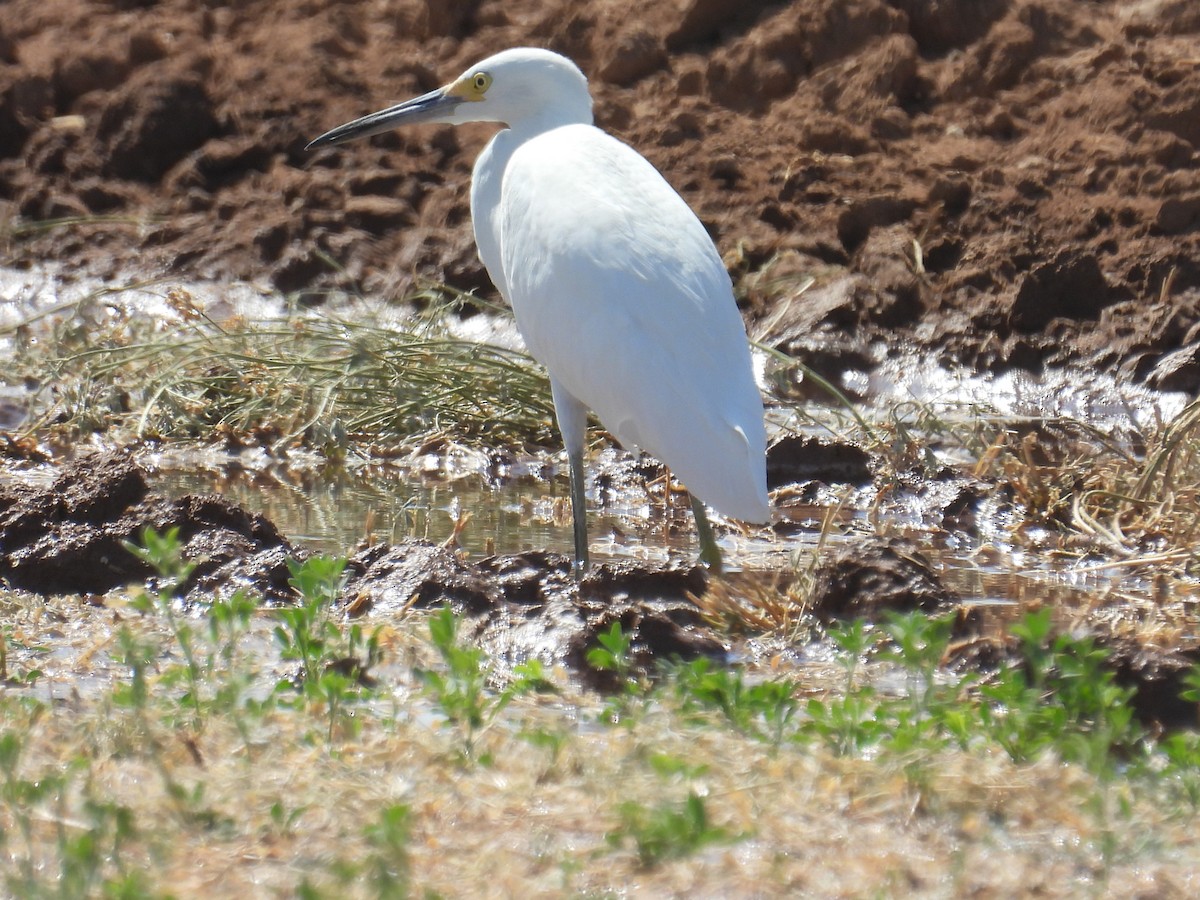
[(73, 535), (1001, 183), (1005, 182)]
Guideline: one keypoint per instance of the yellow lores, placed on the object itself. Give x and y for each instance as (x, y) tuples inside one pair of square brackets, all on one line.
[(469, 87), (616, 286)]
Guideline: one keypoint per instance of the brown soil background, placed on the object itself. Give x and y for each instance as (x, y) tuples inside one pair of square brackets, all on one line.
[(1008, 182)]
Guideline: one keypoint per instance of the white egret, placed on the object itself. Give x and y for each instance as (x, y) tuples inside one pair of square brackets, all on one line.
[(616, 286)]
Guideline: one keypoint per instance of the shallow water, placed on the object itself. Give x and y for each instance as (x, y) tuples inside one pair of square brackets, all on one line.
[(525, 507), (334, 512)]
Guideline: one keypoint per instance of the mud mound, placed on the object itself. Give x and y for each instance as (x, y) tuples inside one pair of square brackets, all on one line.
[(1015, 182), (876, 576), (70, 538), (529, 605), (797, 458)]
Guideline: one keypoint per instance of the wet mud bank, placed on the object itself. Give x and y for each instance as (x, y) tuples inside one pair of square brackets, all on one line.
[(70, 538)]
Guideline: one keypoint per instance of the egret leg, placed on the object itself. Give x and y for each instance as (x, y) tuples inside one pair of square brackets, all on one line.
[(572, 423), (710, 553), (579, 511)]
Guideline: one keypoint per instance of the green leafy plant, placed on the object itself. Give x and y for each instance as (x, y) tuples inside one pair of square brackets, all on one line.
[(306, 632), (762, 710), (335, 662), (211, 672), (284, 818), (925, 722), (668, 830), (385, 871), (17, 678), (138, 655), (1062, 697), (164, 554), (854, 641), (847, 722), (388, 871), (552, 740), (461, 690), (89, 845), (613, 653)]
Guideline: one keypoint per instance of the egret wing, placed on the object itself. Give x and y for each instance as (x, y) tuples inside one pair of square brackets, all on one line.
[(620, 293)]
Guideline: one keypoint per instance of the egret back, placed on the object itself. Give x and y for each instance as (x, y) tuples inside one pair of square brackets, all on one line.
[(620, 293)]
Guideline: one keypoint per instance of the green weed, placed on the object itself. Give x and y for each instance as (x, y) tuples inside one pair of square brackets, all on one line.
[(137, 654), (17, 678), (387, 868), (667, 830), (763, 710), (1063, 698), (613, 654), (212, 673), (462, 693), (385, 871), (846, 723), (932, 712), (164, 554), (552, 740), (88, 855), (335, 663)]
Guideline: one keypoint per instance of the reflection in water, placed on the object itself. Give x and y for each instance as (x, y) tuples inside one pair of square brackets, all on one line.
[(523, 504), (520, 505), (334, 510)]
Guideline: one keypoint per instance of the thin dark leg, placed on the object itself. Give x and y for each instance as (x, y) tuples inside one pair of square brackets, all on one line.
[(710, 553), (572, 422), (579, 511)]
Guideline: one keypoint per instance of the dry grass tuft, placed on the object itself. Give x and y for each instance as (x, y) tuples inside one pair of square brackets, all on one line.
[(755, 605), (1149, 512), (317, 381)]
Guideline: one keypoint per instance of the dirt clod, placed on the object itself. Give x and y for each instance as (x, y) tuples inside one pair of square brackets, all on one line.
[(529, 605), (797, 458), (878, 574)]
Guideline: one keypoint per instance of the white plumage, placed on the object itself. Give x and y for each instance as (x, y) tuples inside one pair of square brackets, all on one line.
[(616, 286)]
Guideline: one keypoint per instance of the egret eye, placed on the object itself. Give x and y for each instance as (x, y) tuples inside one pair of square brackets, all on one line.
[(481, 81)]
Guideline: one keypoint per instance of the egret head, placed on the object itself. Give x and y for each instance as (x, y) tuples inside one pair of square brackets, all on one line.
[(524, 88)]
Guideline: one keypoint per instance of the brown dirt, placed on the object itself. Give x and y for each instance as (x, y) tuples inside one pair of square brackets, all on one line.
[(878, 575), (1011, 182), (528, 605)]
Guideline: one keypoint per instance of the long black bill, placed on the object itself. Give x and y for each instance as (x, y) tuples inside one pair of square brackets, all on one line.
[(430, 107)]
